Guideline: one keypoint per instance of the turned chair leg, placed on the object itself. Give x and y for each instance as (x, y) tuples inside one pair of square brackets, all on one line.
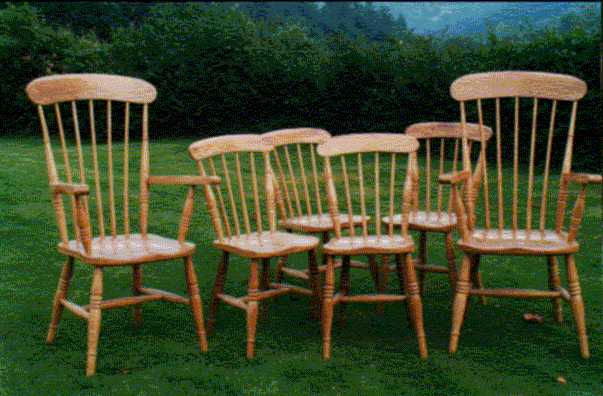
[(344, 286), (136, 286), (195, 301), (554, 284), (577, 304), (415, 305), (402, 282), (57, 307), (218, 289), (280, 263), (451, 261), (422, 258), (252, 308), (94, 320), (463, 285), (314, 274), (476, 276), (376, 274), (327, 308), (264, 285)]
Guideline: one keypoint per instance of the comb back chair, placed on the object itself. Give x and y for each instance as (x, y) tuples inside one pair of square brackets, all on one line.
[(517, 235), (233, 225), (441, 142), (110, 248), (374, 242), (300, 208)]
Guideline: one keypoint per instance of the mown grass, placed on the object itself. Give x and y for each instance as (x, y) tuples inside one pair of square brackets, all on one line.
[(499, 353)]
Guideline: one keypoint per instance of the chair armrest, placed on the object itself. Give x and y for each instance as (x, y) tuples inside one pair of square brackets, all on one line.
[(584, 178), (184, 180), (70, 188), (453, 177)]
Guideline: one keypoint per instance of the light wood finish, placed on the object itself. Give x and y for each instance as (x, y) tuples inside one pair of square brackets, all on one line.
[(430, 215), (309, 215), (480, 236), (248, 228), (96, 239), (370, 242)]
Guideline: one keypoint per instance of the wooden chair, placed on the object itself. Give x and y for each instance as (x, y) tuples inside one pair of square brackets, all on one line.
[(116, 244), (301, 207), (517, 235), (233, 224), (375, 242), (441, 141)]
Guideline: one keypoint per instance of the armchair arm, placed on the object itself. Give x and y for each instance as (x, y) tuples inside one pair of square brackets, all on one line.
[(70, 188), (184, 180), (453, 177), (584, 178)]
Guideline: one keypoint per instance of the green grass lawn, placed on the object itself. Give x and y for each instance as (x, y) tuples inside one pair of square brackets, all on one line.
[(499, 353)]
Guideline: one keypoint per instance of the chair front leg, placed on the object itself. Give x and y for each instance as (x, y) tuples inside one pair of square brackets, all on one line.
[(57, 307), (94, 319), (314, 274), (195, 301), (252, 307), (577, 304), (415, 305), (344, 286), (554, 284), (463, 285), (218, 289), (452, 275), (136, 286), (327, 308)]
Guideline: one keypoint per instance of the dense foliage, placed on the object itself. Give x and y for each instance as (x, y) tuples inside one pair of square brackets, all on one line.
[(221, 70)]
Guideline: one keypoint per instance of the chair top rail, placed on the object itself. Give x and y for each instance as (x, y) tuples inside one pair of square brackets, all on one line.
[(71, 87), (518, 84), (281, 137), (368, 142), (206, 148), (429, 130)]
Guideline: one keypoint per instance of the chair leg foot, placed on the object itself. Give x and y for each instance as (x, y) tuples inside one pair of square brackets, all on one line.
[(195, 301), (463, 285), (554, 283), (252, 308), (577, 305), (327, 312), (57, 307), (94, 320)]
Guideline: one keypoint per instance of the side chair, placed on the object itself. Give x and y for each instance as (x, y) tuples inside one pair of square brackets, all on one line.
[(506, 221), (243, 163), (116, 244), (440, 143), (370, 150)]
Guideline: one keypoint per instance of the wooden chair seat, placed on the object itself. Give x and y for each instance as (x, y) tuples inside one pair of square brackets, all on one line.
[(267, 244), (433, 221), (346, 246), (318, 223), (133, 249), (524, 243)]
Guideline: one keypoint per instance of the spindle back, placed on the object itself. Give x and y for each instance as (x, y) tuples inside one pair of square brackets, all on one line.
[(374, 149), (440, 144), (298, 181), (561, 93), (218, 156), (117, 94)]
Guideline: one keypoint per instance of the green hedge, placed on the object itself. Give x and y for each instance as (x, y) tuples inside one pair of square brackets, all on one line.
[(219, 71)]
